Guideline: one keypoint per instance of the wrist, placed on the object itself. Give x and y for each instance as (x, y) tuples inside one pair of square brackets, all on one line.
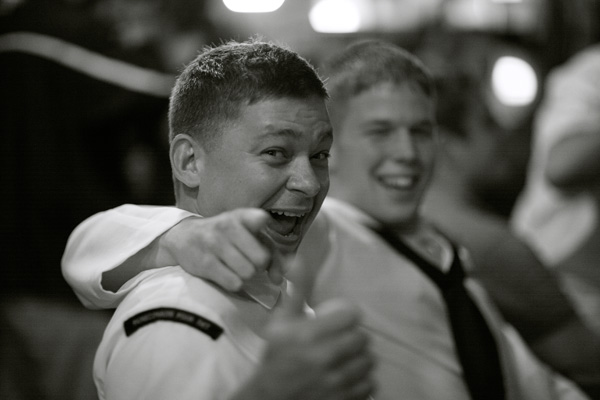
[(165, 253)]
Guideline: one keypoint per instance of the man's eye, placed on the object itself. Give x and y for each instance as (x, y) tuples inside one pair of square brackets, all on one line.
[(276, 155), (378, 132), (322, 156)]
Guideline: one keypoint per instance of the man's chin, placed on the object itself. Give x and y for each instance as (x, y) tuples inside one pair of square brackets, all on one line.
[(400, 220), (283, 244)]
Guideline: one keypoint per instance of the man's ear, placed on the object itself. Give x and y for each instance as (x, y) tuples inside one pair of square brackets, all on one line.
[(186, 160)]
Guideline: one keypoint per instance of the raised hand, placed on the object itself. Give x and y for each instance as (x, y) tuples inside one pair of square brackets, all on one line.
[(323, 356)]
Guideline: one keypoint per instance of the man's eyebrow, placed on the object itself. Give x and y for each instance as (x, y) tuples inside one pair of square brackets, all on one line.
[(282, 132), (326, 134), (423, 123)]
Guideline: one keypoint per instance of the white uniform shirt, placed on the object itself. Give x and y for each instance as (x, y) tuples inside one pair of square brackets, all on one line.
[(176, 337), (403, 310)]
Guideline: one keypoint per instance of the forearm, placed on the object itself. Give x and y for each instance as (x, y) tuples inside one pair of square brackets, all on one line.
[(531, 299), (155, 255), (526, 292), (573, 350), (574, 162)]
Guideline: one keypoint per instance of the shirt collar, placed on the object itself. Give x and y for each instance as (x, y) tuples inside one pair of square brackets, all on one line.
[(423, 238)]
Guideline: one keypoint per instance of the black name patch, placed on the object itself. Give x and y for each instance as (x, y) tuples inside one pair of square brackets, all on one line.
[(172, 314)]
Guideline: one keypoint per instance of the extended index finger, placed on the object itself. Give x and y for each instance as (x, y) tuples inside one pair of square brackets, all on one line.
[(246, 239), (254, 219)]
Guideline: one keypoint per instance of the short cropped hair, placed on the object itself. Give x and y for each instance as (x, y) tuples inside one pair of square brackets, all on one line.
[(367, 63), (214, 87)]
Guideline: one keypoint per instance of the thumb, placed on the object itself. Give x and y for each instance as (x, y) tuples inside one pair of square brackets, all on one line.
[(300, 287)]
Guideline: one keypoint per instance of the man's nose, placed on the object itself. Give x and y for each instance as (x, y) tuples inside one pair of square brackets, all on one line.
[(303, 178), (403, 146)]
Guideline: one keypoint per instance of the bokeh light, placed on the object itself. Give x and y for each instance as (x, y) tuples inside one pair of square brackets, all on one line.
[(514, 81)]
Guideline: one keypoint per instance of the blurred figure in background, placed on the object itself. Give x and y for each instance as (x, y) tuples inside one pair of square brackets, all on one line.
[(481, 171), (84, 100), (557, 213), (484, 156)]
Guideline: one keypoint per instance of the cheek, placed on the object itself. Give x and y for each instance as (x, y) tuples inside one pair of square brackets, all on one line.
[(260, 185), (363, 154), (323, 178), (427, 151), (372, 158), (246, 187)]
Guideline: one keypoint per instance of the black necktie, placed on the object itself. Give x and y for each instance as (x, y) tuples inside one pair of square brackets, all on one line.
[(475, 344)]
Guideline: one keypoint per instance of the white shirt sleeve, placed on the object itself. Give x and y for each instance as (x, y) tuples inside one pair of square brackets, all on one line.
[(167, 360), (164, 361), (106, 240)]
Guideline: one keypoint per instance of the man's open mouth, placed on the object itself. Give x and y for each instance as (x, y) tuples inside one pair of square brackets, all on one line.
[(286, 223)]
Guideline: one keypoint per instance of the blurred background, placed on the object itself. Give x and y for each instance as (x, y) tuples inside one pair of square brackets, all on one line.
[(84, 87)]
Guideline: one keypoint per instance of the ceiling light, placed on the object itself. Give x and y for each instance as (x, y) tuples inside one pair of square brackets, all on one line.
[(253, 6), (335, 16)]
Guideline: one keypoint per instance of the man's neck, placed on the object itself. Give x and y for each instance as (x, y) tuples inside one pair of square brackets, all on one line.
[(417, 232)]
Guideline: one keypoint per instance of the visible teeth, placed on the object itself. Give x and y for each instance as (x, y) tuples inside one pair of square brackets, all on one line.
[(399, 182), (288, 213)]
